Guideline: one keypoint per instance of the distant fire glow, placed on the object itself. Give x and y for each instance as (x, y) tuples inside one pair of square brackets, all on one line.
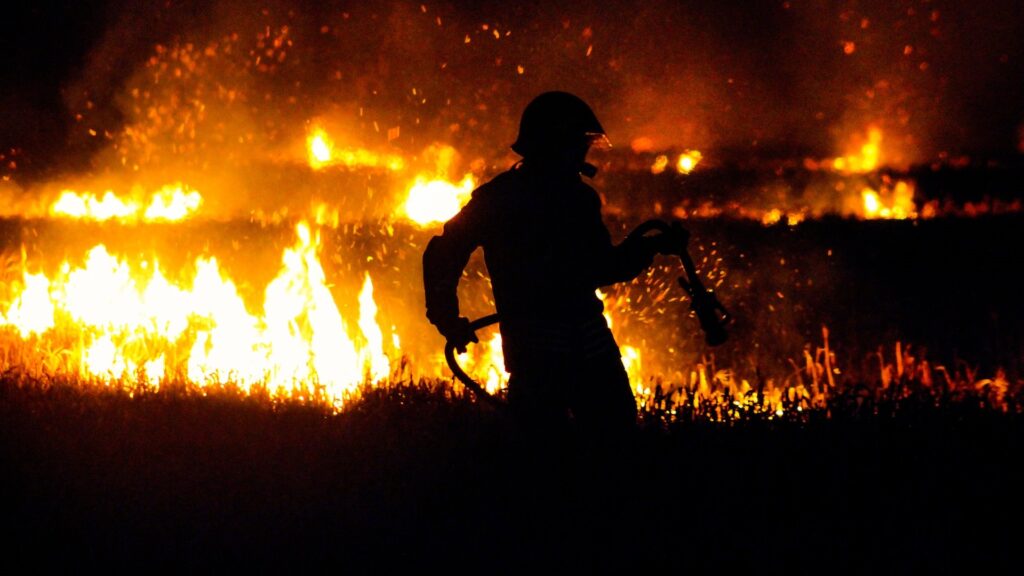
[(434, 196), (894, 202), (435, 201), (684, 164), (322, 152), (170, 203), (319, 149), (660, 163), (872, 205), (866, 158), (688, 161)]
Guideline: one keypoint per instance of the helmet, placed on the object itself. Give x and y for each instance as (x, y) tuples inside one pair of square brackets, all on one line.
[(555, 120)]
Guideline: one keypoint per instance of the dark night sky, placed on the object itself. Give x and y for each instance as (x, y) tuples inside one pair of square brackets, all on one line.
[(791, 77)]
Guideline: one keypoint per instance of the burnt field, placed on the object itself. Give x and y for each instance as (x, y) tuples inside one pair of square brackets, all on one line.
[(414, 477), (870, 473)]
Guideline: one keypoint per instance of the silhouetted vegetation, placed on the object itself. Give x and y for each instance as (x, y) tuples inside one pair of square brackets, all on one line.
[(418, 474)]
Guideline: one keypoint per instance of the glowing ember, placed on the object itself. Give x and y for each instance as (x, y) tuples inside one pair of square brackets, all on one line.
[(685, 164), (119, 319), (173, 202), (688, 160), (660, 163)]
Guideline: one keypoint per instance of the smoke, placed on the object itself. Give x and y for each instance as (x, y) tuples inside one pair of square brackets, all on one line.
[(145, 83)]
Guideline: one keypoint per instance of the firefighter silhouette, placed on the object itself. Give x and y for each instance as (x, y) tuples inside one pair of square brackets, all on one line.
[(547, 250)]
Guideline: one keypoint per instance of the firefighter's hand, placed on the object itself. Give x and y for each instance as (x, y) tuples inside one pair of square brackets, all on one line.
[(458, 333), (673, 240)]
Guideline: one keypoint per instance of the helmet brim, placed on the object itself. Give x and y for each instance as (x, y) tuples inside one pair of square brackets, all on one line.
[(599, 141)]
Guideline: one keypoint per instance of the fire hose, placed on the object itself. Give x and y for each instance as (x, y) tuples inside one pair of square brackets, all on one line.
[(467, 380), (711, 314)]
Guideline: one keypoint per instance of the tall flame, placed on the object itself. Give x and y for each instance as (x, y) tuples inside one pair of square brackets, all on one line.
[(118, 319), (375, 359)]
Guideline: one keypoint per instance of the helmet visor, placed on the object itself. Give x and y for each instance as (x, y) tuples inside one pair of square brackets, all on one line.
[(599, 141)]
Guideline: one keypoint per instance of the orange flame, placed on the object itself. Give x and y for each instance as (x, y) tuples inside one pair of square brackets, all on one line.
[(323, 153), (173, 202), (688, 160), (486, 363), (894, 202), (433, 201), (434, 197), (866, 158), (659, 164), (630, 354), (122, 319)]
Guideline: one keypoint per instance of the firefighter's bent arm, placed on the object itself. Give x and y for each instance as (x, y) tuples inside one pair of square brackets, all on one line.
[(443, 262), (625, 261), (621, 263)]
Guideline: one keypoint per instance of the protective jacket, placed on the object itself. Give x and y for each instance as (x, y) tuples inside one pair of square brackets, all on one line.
[(546, 249)]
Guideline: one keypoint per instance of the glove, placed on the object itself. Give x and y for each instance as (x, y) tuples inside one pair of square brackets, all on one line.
[(458, 333), (672, 241)]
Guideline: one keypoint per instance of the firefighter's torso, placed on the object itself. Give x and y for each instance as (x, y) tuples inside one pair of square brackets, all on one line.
[(542, 248)]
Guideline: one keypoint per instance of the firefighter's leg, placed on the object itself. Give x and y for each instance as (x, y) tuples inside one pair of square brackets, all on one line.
[(537, 401), (601, 398), (605, 414), (537, 395)]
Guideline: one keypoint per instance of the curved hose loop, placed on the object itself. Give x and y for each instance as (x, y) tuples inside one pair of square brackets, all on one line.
[(650, 226), (466, 379)]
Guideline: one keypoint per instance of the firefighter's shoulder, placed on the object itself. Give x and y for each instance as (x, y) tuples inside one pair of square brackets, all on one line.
[(496, 189)]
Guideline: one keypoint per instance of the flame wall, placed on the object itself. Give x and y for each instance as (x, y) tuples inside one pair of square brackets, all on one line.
[(797, 110)]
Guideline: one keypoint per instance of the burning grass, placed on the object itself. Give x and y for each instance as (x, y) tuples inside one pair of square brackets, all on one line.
[(339, 307), (712, 395)]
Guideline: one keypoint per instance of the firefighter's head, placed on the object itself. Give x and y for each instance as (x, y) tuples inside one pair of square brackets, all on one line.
[(558, 127)]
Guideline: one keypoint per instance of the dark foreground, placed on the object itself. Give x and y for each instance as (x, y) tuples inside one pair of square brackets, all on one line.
[(414, 478)]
